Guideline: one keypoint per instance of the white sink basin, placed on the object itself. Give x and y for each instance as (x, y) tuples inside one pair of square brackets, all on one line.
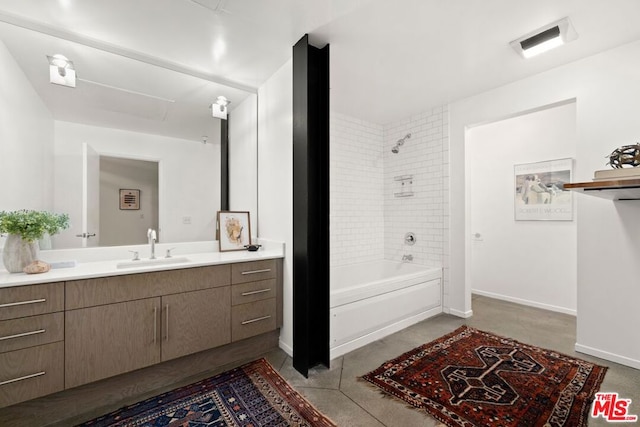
[(151, 262)]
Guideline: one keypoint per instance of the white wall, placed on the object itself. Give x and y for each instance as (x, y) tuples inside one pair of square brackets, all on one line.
[(607, 90), (26, 142), (529, 262), (243, 160), (189, 178), (275, 179), (124, 226), (356, 198)]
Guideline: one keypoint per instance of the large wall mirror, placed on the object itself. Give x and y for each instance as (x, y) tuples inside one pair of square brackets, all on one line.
[(128, 124)]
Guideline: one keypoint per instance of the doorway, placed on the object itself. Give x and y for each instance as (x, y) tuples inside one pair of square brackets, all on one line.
[(125, 222), (528, 262)]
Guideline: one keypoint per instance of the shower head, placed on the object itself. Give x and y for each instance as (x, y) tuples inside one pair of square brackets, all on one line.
[(396, 149), (404, 138)]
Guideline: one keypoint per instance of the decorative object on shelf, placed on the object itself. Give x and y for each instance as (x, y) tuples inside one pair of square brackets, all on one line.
[(539, 192), (37, 267), (625, 155), (616, 174), (403, 186), (129, 199), (24, 229), (234, 229), (252, 248)]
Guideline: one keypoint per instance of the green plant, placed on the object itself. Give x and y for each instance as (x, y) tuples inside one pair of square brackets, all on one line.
[(32, 225)]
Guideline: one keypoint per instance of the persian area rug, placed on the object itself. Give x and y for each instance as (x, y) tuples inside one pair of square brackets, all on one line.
[(475, 378), (251, 395)]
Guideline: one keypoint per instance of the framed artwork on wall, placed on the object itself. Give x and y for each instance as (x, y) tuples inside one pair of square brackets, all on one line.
[(129, 199), (538, 191), (234, 229)]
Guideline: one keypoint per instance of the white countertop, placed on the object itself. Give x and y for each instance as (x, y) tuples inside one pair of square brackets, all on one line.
[(86, 270)]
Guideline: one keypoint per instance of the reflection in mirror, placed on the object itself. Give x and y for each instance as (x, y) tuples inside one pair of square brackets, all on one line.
[(123, 109), (128, 204)]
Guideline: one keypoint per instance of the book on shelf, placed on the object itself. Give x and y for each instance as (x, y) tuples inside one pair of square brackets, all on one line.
[(616, 174)]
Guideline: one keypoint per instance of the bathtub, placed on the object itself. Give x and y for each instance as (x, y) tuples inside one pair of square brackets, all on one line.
[(371, 300)]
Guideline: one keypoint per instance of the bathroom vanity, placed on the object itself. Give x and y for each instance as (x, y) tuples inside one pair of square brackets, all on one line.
[(95, 321)]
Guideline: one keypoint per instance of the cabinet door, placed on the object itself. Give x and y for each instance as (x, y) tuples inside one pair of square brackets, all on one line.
[(111, 339), (195, 321)]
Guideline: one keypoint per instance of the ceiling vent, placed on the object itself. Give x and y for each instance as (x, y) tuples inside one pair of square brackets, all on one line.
[(546, 38)]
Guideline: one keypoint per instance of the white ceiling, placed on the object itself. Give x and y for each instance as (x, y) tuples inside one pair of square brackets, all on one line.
[(389, 59)]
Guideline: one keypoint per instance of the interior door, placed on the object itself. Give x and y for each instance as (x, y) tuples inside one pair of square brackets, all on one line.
[(90, 196)]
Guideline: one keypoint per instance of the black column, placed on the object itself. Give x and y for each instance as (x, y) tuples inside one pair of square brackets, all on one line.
[(224, 164), (310, 206)]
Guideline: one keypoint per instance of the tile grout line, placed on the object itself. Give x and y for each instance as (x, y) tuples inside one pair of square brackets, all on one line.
[(360, 406), (348, 397)]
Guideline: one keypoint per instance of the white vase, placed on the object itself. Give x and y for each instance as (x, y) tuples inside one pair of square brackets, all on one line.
[(45, 242), (18, 253)]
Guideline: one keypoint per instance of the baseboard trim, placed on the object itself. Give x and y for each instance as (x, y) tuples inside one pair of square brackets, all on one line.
[(459, 313), (612, 357), (286, 348), (526, 302)]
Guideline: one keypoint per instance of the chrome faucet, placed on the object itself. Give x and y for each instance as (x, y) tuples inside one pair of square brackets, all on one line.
[(407, 257), (151, 236)]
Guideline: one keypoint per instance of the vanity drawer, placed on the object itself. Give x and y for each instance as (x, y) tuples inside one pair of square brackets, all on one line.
[(115, 289), (30, 300), (252, 271), (30, 373), (253, 291), (254, 318), (30, 331)]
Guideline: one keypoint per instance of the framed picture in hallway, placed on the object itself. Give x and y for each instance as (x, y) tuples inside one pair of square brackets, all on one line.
[(129, 199), (234, 229), (538, 191)]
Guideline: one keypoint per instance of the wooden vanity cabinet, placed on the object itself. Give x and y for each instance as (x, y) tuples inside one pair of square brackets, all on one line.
[(61, 335), (121, 323), (31, 342), (255, 287)]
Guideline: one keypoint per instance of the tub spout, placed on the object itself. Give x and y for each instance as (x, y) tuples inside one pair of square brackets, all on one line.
[(407, 257)]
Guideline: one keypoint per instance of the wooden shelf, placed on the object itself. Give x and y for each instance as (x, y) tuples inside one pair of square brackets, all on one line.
[(619, 189)]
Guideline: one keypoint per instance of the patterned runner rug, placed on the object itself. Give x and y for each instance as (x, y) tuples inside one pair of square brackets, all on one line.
[(251, 395), (475, 378)]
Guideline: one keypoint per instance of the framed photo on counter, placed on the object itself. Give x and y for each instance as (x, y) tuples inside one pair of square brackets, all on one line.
[(234, 230)]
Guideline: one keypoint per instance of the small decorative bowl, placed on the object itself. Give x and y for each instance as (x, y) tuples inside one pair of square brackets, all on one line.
[(252, 248)]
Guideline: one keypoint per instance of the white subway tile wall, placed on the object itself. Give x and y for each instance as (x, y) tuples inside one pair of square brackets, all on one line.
[(357, 191), (424, 156), (368, 222)]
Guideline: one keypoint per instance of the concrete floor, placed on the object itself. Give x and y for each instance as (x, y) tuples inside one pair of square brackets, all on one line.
[(337, 391), (351, 402)]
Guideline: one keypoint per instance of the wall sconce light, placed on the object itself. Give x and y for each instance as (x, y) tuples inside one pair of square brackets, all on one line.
[(546, 38), (61, 71), (220, 108)]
